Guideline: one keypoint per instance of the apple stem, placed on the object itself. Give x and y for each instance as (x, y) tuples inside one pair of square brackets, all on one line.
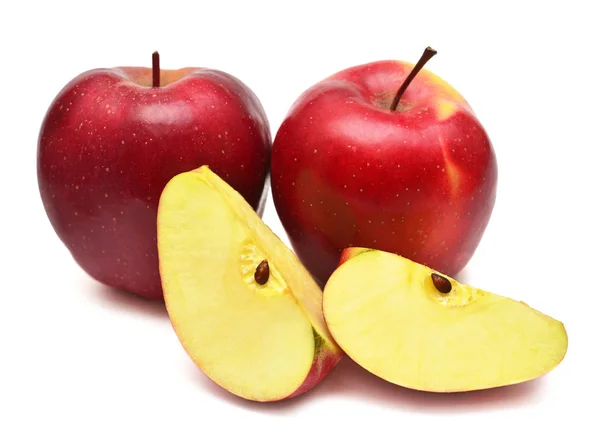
[(427, 54), (261, 275), (441, 283), (155, 70)]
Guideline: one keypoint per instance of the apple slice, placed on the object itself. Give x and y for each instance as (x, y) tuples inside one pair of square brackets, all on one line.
[(420, 329), (242, 305)]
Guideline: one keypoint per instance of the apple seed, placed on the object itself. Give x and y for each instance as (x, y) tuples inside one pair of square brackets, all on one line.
[(261, 275), (441, 284)]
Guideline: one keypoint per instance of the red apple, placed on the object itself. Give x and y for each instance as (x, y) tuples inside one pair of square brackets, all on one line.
[(348, 169), (113, 138)]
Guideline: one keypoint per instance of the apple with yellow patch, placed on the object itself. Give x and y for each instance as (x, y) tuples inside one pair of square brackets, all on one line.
[(421, 329), (243, 306), (380, 156)]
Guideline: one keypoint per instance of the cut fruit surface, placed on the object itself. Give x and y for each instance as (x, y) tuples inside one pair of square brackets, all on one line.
[(261, 341), (396, 320)]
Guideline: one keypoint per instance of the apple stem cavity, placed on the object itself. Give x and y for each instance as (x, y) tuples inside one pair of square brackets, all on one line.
[(441, 283), (155, 70), (261, 275), (427, 54)]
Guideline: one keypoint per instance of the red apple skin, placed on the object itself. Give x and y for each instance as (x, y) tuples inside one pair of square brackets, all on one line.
[(349, 253), (346, 171), (326, 358), (109, 143)]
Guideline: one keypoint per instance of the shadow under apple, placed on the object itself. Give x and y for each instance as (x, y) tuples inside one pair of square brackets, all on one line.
[(282, 408), (127, 302), (349, 380)]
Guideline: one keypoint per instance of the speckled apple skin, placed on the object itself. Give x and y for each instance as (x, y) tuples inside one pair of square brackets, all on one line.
[(347, 171), (109, 143)]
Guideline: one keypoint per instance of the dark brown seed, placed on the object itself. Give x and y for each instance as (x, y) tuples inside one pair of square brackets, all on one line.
[(442, 284), (261, 275)]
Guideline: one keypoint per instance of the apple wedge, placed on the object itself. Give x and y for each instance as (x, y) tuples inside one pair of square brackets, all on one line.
[(242, 305), (420, 329)]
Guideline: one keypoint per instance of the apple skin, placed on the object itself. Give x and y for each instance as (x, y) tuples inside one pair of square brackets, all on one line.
[(346, 171), (349, 253), (326, 359), (109, 143)]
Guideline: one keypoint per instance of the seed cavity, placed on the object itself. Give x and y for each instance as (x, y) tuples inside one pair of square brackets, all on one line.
[(261, 275), (441, 284)]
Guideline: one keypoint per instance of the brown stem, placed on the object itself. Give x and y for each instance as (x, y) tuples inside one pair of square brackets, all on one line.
[(427, 54), (155, 70)]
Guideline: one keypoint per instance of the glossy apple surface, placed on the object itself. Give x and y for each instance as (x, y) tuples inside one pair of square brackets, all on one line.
[(110, 142), (347, 171)]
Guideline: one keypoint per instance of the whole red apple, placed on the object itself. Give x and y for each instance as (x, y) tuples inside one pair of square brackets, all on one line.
[(350, 169), (113, 138)]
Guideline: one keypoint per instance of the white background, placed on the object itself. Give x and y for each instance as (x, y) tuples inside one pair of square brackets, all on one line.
[(83, 365)]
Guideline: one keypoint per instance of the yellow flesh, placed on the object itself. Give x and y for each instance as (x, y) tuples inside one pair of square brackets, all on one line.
[(384, 311), (255, 341)]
